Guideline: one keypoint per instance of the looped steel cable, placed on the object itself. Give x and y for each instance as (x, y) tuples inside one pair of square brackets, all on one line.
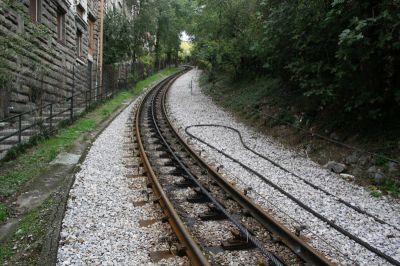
[(233, 219), (300, 203)]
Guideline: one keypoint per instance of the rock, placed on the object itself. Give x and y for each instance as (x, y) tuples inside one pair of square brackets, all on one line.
[(392, 167), (335, 167), (352, 158), (348, 177), (356, 171), (63, 235), (372, 170), (363, 160), (379, 178)]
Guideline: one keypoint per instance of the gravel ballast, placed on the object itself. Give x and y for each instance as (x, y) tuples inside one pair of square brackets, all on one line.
[(188, 106), (101, 224)]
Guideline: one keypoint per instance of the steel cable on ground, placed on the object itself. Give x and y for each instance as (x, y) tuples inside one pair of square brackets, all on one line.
[(280, 210), (334, 141), (358, 209), (300, 203), (234, 220)]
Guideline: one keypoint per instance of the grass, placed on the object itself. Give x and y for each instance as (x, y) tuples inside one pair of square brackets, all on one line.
[(392, 186), (24, 247), (240, 95), (264, 105), (26, 242), (3, 213), (35, 159)]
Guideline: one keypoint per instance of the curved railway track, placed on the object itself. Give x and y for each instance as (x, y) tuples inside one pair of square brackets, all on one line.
[(211, 219), (321, 217)]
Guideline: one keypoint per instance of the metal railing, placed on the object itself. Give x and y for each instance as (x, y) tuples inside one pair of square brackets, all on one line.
[(45, 119), (20, 128)]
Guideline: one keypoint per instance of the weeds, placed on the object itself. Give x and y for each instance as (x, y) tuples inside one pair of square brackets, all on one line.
[(3, 213), (32, 159), (27, 238), (392, 186)]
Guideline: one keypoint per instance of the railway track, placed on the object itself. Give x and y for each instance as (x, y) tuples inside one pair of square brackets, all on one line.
[(213, 222), (344, 231)]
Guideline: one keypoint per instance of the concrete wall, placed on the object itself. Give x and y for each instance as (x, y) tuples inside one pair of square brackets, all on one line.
[(46, 70)]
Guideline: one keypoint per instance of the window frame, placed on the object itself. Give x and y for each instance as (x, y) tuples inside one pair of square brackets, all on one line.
[(61, 27), (91, 25), (80, 10), (79, 44), (35, 10)]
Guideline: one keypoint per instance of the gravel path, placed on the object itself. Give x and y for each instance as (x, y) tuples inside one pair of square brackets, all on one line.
[(190, 107), (101, 224)]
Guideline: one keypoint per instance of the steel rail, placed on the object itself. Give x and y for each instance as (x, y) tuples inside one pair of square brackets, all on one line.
[(192, 250), (276, 164), (272, 257), (297, 245), (331, 223)]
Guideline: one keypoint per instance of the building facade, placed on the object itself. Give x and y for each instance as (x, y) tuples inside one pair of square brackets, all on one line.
[(51, 49), (116, 5)]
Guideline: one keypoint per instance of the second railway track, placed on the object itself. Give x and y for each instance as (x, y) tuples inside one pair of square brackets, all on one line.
[(214, 222)]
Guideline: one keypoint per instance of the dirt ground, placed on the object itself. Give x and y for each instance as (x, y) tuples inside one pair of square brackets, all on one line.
[(271, 117), (36, 210)]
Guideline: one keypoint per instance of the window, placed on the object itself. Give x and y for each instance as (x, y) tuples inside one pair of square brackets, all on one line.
[(79, 44), (61, 26), (91, 36), (35, 10), (80, 10)]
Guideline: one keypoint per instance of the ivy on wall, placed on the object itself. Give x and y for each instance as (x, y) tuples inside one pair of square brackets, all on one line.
[(22, 47)]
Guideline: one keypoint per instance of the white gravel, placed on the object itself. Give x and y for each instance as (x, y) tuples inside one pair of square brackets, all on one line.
[(101, 224), (190, 107)]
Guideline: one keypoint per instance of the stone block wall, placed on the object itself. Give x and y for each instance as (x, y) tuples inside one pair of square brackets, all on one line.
[(42, 69)]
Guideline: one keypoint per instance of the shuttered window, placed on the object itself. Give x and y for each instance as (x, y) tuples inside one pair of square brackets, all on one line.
[(35, 10)]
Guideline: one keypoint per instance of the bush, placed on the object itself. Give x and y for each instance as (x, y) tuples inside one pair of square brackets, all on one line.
[(340, 53)]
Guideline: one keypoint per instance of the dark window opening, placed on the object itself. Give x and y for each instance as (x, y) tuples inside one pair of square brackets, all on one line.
[(91, 36), (61, 26), (79, 45), (80, 10), (35, 10)]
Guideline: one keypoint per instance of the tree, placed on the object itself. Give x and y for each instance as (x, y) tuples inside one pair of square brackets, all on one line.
[(341, 53)]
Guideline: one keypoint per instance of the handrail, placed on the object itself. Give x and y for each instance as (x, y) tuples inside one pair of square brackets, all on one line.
[(18, 123)]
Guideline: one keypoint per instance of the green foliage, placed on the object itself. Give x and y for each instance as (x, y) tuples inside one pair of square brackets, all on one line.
[(344, 54), (34, 161), (380, 161), (376, 194), (118, 37), (18, 46), (3, 213), (392, 186), (27, 237), (204, 65), (185, 50), (151, 30)]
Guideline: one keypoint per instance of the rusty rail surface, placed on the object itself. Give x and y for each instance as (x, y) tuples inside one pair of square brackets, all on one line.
[(295, 243), (192, 249)]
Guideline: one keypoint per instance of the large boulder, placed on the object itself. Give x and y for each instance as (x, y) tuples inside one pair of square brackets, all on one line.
[(335, 167), (379, 178), (371, 171)]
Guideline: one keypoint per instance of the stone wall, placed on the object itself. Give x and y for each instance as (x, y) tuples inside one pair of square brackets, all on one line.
[(44, 69)]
